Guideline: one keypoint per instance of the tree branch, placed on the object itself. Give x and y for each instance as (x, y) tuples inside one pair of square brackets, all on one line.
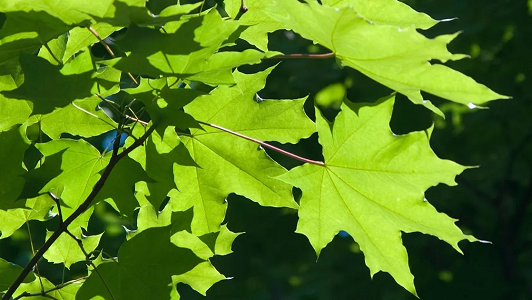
[(63, 227), (289, 154)]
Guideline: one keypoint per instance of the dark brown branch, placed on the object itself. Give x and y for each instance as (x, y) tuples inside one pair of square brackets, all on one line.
[(289, 154), (81, 209)]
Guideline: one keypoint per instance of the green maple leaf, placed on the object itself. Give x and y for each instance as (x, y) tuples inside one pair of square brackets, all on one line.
[(258, 23), (386, 12), (9, 272), (201, 278), (12, 147), (19, 111), (80, 118), (84, 117), (54, 51), (32, 23), (187, 51), (372, 186), (157, 157), (37, 208), (229, 164), (26, 30), (67, 292), (118, 188), (11, 76), (79, 38), (397, 58), (163, 104), (70, 170), (77, 79), (144, 270), (205, 246), (204, 275), (66, 250)]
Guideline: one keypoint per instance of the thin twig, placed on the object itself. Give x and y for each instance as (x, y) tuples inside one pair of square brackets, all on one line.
[(104, 44), (136, 119), (299, 55), (289, 154), (201, 8)]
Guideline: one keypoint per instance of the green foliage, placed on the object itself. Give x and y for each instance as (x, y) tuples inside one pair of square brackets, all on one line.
[(196, 131)]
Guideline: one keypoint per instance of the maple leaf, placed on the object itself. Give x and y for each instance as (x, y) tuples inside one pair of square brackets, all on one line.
[(395, 57), (185, 51), (77, 79), (144, 268), (12, 145), (388, 12), (372, 186), (258, 23), (66, 250), (158, 157), (8, 273), (37, 208), (229, 164), (70, 170)]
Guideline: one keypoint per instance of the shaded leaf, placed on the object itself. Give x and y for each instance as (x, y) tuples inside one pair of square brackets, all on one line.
[(144, 269), (157, 157), (119, 186), (187, 51), (75, 78), (12, 148), (70, 166), (9, 272)]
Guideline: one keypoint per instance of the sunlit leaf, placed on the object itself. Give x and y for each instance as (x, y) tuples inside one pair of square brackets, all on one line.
[(372, 186)]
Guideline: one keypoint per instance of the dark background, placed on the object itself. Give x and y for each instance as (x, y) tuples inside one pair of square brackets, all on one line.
[(492, 202)]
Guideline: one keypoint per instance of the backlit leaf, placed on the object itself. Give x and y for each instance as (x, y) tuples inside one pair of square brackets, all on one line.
[(372, 186), (229, 164), (398, 58)]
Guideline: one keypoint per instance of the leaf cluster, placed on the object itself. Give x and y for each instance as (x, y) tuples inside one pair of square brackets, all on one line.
[(184, 127)]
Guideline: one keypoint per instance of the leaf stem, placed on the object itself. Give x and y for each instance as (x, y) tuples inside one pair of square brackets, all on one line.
[(115, 158), (289, 154), (301, 55), (104, 44)]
